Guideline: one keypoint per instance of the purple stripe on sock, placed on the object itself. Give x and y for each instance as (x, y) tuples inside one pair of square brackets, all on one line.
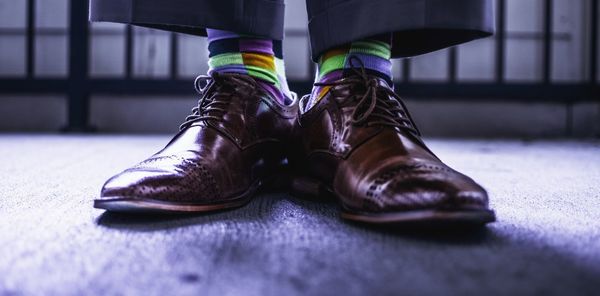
[(240, 69), (214, 35), (374, 63), (273, 91), (331, 76), (257, 45)]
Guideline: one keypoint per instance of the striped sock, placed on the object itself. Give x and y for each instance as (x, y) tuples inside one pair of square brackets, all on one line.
[(260, 58), (374, 52)]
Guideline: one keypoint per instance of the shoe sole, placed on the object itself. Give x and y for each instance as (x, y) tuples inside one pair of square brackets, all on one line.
[(308, 188), (455, 216), (129, 204), (144, 205)]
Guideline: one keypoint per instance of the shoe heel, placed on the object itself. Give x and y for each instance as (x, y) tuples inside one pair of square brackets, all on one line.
[(309, 188)]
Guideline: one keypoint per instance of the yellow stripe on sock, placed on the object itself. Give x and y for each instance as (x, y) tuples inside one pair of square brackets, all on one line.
[(322, 92), (259, 60)]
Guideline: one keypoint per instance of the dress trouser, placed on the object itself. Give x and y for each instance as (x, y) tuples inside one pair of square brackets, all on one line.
[(418, 26)]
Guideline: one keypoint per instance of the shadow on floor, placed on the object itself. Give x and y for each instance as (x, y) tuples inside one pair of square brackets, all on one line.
[(255, 210), (262, 206)]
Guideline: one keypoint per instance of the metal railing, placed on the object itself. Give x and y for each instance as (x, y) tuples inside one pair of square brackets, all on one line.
[(79, 86)]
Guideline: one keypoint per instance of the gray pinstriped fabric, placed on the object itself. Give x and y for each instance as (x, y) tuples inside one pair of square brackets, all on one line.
[(419, 26)]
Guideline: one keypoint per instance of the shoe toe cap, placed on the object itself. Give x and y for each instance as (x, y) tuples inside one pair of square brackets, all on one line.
[(174, 185), (425, 189), (137, 183)]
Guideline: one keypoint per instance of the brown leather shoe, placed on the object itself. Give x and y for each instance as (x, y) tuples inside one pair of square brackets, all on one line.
[(234, 142), (359, 144)]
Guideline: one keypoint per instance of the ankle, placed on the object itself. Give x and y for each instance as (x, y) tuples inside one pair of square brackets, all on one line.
[(257, 57), (374, 53)]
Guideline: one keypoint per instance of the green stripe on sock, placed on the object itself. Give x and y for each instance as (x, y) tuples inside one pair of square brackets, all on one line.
[(226, 59), (331, 64), (372, 47), (264, 74)]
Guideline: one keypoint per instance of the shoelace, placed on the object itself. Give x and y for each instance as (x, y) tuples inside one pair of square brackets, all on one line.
[(378, 105), (215, 95)]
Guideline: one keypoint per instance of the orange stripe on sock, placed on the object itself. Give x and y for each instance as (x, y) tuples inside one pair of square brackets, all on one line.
[(322, 92), (335, 51), (259, 60)]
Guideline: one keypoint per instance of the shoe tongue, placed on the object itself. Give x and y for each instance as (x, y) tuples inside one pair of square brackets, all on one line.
[(382, 79), (384, 83), (273, 92)]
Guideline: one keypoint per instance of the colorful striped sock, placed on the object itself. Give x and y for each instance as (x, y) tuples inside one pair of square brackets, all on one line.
[(374, 52), (260, 58)]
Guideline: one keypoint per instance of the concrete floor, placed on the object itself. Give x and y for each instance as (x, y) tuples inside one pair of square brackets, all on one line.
[(546, 242)]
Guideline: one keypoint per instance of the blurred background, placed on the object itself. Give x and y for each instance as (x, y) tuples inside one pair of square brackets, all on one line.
[(537, 78)]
